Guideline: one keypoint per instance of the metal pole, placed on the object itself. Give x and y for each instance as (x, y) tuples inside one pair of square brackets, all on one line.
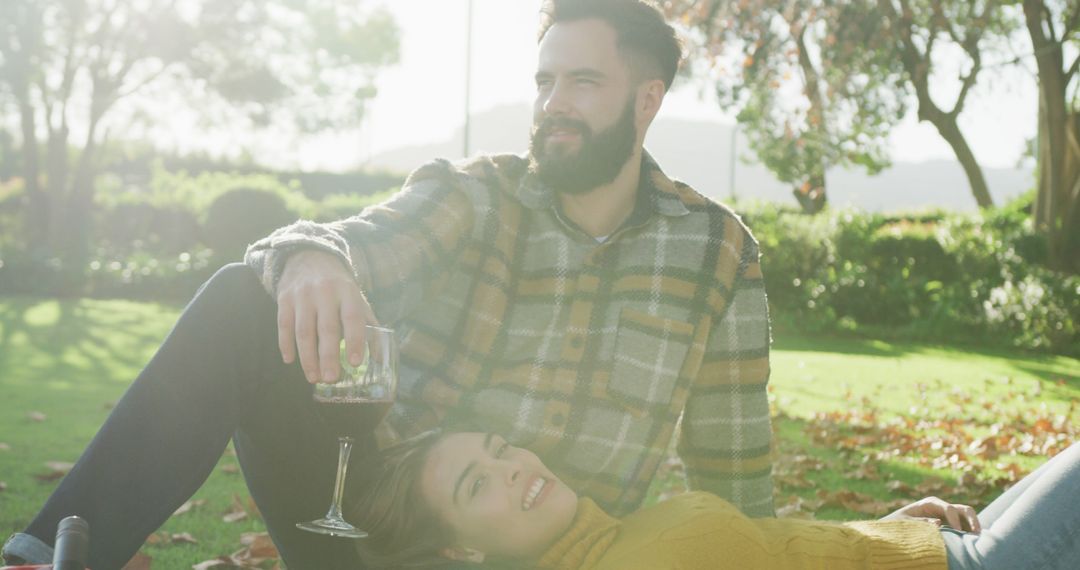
[(468, 78)]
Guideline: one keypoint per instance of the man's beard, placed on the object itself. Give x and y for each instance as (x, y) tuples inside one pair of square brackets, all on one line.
[(599, 160)]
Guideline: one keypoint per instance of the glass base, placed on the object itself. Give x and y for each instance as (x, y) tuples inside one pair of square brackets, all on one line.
[(332, 527)]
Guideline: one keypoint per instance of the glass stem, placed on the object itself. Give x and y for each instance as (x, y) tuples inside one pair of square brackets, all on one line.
[(344, 450)]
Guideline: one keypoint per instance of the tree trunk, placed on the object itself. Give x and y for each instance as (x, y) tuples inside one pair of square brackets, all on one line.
[(37, 207), (950, 131), (1055, 213)]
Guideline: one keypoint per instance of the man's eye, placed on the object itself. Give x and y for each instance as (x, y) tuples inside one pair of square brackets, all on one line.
[(477, 485)]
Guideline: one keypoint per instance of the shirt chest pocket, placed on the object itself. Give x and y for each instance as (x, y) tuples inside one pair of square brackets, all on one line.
[(649, 356)]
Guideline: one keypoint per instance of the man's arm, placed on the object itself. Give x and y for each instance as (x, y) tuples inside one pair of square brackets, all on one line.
[(323, 275), (726, 432)]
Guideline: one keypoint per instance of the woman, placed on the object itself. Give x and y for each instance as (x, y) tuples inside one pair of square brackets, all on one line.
[(472, 497)]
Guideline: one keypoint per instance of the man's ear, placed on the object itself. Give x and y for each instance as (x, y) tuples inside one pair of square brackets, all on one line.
[(650, 96), (462, 554)]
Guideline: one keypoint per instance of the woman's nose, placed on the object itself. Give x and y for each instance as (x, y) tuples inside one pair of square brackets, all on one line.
[(512, 472)]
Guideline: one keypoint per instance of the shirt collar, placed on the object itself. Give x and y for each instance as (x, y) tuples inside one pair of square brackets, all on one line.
[(660, 193)]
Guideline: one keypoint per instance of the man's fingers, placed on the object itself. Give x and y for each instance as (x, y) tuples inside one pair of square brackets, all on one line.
[(286, 332), (353, 320), (329, 329), (306, 344)]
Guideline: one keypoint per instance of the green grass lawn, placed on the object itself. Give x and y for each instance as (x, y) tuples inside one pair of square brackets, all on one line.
[(842, 407)]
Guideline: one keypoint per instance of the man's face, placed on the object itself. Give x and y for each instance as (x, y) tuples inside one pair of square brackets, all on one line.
[(584, 120), (498, 499)]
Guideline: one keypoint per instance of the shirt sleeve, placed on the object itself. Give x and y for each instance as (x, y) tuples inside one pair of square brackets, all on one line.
[(726, 435), (397, 250)]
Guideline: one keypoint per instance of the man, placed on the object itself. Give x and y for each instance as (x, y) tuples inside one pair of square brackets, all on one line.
[(577, 302)]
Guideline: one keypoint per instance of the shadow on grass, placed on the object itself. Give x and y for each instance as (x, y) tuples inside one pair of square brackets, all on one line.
[(71, 339)]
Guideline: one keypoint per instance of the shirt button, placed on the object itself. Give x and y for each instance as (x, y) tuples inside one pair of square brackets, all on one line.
[(558, 419), (576, 341)]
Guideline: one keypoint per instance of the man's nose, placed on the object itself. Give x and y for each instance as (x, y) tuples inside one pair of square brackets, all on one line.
[(556, 103)]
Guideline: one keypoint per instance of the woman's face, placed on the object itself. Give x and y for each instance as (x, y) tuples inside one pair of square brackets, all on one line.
[(498, 499)]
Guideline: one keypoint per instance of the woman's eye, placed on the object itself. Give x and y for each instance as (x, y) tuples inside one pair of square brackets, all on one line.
[(502, 449), (477, 485)]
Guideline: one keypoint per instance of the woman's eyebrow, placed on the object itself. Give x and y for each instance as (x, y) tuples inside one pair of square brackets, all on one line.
[(472, 465)]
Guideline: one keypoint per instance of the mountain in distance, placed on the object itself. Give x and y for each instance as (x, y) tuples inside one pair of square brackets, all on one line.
[(699, 153)]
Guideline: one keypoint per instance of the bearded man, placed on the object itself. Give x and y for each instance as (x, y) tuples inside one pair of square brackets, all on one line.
[(576, 301)]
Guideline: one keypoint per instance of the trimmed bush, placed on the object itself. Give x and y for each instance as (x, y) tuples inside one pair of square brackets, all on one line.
[(240, 216), (939, 276)]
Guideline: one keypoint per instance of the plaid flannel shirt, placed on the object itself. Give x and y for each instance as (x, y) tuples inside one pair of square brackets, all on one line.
[(513, 320)]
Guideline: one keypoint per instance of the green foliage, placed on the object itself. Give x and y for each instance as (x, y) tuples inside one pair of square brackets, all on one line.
[(939, 276), (162, 239)]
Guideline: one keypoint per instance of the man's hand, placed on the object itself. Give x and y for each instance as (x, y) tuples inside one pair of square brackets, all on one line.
[(318, 300), (933, 509)]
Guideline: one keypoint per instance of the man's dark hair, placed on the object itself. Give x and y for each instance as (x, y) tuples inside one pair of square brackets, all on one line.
[(645, 40)]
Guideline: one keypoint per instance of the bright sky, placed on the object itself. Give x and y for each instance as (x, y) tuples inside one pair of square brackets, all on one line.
[(422, 99)]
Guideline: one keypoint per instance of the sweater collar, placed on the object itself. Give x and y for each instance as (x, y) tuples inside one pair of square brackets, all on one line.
[(660, 192), (589, 537)]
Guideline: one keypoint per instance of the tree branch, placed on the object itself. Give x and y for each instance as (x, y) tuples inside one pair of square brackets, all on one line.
[(1072, 70)]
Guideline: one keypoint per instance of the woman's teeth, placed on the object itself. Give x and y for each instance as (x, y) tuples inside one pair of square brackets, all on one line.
[(533, 492)]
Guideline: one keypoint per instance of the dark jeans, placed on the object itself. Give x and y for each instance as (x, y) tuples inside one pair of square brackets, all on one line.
[(217, 376)]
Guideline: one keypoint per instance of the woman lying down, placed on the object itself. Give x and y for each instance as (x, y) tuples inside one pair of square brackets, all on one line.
[(473, 498)]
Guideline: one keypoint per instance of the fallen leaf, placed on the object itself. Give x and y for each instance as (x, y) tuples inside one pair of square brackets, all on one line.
[(57, 470), (140, 561), (36, 416), (219, 563), (5, 447), (183, 538), (236, 512), (108, 406), (234, 516), (230, 468), (3, 486), (188, 506), (156, 538), (259, 545)]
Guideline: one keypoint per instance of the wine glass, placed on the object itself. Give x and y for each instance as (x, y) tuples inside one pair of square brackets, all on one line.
[(354, 406)]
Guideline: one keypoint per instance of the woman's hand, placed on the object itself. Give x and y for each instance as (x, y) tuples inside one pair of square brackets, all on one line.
[(933, 509)]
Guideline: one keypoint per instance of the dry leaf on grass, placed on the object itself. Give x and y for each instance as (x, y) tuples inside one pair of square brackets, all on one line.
[(259, 545), (36, 416), (259, 552), (156, 538), (231, 469), (188, 506), (4, 447), (56, 470), (183, 538), (219, 563), (237, 512), (139, 562), (3, 486)]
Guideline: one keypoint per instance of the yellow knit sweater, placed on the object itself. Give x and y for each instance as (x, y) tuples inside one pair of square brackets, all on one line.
[(701, 531)]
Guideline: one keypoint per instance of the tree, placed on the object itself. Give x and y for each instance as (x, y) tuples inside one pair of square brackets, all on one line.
[(65, 64), (807, 100), (859, 64), (1053, 28), (913, 30)]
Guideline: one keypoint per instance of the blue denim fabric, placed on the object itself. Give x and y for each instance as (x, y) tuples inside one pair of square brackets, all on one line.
[(1035, 524), (28, 549), (217, 376)]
